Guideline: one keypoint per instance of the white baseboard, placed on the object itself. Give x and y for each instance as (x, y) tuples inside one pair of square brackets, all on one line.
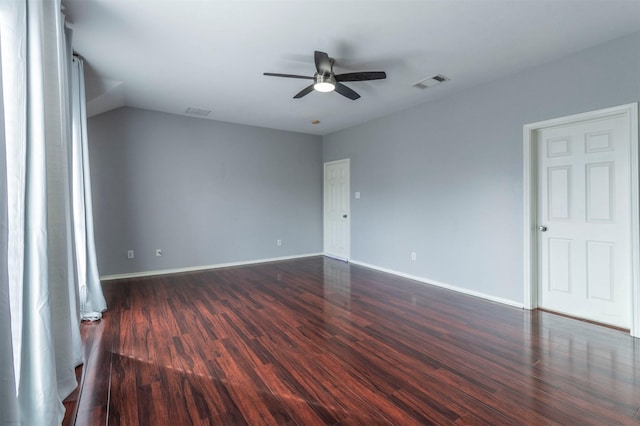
[(429, 281), (204, 267), (333, 256)]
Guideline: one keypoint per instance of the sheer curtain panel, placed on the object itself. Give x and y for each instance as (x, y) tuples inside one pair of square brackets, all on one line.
[(92, 302), (8, 400), (39, 274)]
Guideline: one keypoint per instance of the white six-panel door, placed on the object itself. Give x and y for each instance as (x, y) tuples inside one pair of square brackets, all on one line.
[(583, 219), (337, 209)]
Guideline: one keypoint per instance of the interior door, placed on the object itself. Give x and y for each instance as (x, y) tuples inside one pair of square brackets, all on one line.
[(584, 225), (336, 209)]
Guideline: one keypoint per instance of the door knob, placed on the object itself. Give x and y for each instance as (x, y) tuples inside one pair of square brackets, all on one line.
[(542, 228), (344, 215)]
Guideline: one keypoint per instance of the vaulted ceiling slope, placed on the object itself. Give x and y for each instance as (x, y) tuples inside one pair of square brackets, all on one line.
[(169, 55)]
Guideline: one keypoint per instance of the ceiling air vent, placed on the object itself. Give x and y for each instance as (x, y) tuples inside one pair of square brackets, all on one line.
[(434, 80), (197, 112)]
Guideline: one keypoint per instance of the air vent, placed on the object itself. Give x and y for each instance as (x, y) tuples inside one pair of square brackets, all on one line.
[(434, 80), (197, 112)]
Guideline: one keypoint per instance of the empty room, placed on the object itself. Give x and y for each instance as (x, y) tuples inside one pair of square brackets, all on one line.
[(299, 212)]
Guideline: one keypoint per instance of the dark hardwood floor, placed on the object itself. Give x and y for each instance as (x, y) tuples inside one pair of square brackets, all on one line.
[(318, 341)]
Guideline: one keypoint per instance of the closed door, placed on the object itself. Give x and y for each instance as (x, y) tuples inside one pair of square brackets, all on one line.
[(336, 209), (584, 221)]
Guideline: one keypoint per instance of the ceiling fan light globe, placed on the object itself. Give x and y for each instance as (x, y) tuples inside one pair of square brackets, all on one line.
[(324, 86), (324, 83)]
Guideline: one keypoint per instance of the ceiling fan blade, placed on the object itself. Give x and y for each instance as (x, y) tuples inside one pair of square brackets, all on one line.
[(345, 91), (323, 63), (304, 92), (361, 76), (272, 74)]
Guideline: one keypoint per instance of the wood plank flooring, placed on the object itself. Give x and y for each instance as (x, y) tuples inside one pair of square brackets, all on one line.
[(317, 341)]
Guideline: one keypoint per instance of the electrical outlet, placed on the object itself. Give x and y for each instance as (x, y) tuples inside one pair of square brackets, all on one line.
[(279, 242), (158, 252), (130, 254), (413, 255)]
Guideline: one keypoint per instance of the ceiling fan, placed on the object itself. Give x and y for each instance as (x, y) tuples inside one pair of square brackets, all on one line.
[(325, 80)]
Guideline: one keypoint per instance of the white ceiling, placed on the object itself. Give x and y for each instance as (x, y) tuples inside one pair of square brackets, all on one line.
[(168, 55)]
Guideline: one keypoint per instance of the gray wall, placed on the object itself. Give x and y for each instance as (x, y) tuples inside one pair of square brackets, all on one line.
[(204, 192), (445, 179)]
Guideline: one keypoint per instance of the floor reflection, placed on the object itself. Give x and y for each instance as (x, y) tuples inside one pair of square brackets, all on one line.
[(587, 362), (337, 288)]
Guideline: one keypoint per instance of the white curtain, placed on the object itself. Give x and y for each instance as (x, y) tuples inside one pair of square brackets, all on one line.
[(8, 400), (39, 270), (92, 302)]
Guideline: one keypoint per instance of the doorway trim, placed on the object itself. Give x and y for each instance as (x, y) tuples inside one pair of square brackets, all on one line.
[(630, 112)]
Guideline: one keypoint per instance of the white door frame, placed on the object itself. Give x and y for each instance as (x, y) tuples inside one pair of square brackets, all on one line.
[(348, 213), (629, 111)]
